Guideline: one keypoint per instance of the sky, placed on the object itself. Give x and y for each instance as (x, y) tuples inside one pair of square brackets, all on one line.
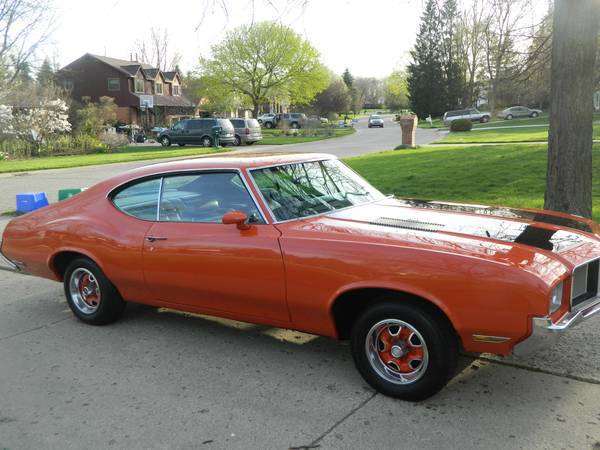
[(371, 38)]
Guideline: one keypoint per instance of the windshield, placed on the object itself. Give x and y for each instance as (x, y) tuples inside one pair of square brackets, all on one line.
[(375, 117), (298, 190)]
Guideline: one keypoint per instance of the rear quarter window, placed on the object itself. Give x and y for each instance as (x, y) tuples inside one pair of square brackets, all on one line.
[(253, 123), (139, 199)]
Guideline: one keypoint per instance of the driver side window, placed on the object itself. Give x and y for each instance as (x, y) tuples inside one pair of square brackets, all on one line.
[(205, 198)]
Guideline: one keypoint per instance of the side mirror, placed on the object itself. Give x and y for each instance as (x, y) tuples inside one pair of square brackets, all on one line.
[(236, 218)]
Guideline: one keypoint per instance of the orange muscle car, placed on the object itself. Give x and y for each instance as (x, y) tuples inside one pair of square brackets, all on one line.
[(301, 241)]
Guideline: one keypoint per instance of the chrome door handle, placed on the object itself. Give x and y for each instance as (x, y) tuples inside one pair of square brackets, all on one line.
[(155, 238)]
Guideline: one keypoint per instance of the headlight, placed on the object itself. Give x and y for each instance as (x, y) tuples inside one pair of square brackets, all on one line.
[(556, 297)]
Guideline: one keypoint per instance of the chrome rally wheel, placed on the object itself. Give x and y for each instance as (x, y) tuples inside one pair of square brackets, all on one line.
[(404, 348), (397, 351), (90, 294), (84, 291)]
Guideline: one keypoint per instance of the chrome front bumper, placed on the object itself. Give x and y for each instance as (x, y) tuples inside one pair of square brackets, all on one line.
[(545, 332)]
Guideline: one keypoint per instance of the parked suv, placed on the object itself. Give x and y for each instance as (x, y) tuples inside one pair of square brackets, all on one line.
[(198, 132), (472, 114), (289, 120), (518, 111), (270, 118), (247, 131)]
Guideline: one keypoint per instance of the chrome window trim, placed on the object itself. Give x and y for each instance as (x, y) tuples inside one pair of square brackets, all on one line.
[(162, 175), (160, 189), (274, 219)]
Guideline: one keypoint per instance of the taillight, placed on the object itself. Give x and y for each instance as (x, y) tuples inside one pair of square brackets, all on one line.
[(247, 130)]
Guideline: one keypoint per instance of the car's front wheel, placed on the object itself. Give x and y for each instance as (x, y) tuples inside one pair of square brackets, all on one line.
[(509, 117), (165, 141), (484, 119), (268, 124), (404, 350), (90, 294), (206, 142), (534, 114)]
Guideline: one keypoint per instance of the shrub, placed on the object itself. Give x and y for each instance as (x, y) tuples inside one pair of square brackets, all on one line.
[(461, 125), (113, 140)]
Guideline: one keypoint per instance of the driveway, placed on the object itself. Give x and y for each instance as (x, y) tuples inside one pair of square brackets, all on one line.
[(365, 140)]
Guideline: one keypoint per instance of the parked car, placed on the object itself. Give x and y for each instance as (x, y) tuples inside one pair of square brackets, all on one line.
[(471, 114), (291, 120), (247, 131), (375, 121), (518, 111), (270, 118), (198, 131), (301, 241)]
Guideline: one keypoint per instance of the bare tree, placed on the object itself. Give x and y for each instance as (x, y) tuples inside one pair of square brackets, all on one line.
[(470, 37), (500, 31), (157, 50), (25, 25), (574, 48)]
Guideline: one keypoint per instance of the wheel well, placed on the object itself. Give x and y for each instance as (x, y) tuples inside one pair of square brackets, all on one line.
[(61, 261), (350, 305)]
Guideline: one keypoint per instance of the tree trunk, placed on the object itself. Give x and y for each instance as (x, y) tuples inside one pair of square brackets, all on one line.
[(256, 108), (574, 42)]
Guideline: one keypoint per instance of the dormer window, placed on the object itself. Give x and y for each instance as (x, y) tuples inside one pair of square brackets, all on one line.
[(139, 85), (158, 88), (114, 84), (175, 89)]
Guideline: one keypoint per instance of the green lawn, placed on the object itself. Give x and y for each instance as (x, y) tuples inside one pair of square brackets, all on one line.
[(135, 153), (123, 155), (272, 137), (511, 175), (530, 134)]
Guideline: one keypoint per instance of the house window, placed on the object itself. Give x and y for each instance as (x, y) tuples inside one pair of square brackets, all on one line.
[(114, 84), (175, 89), (139, 85), (158, 88), (68, 85)]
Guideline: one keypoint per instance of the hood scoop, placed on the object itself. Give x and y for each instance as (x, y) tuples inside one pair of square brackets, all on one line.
[(407, 224)]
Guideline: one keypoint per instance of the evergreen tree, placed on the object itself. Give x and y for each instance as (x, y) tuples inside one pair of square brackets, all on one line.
[(45, 75), (453, 61), (426, 79), (348, 78)]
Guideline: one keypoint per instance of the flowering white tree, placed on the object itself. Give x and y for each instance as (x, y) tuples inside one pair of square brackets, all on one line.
[(6, 119), (49, 117)]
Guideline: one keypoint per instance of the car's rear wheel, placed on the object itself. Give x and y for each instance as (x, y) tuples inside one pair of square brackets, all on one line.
[(165, 141), (90, 294), (249, 142), (509, 117), (181, 144), (294, 125), (484, 119), (237, 140), (206, 141), (534, 114), (268, 124), (404, 350)]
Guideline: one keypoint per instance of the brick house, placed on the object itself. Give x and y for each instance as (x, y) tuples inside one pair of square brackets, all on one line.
[(91, 77)]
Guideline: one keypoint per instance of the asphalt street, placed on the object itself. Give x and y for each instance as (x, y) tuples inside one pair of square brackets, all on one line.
[(162, 379)]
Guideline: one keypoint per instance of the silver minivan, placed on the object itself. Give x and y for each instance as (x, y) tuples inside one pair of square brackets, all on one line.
[(247, 131)]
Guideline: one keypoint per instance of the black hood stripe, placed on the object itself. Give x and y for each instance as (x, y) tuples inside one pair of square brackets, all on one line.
[(501, 212)]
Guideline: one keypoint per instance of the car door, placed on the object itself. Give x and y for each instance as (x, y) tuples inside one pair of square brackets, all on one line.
[(191, 258)]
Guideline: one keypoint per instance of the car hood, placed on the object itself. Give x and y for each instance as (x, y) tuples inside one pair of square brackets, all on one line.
[(470, 229)]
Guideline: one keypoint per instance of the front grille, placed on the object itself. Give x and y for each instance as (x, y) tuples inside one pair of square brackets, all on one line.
[(584, 284)]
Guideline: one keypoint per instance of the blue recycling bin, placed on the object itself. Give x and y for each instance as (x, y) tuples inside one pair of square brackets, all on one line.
[(30, 201)]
